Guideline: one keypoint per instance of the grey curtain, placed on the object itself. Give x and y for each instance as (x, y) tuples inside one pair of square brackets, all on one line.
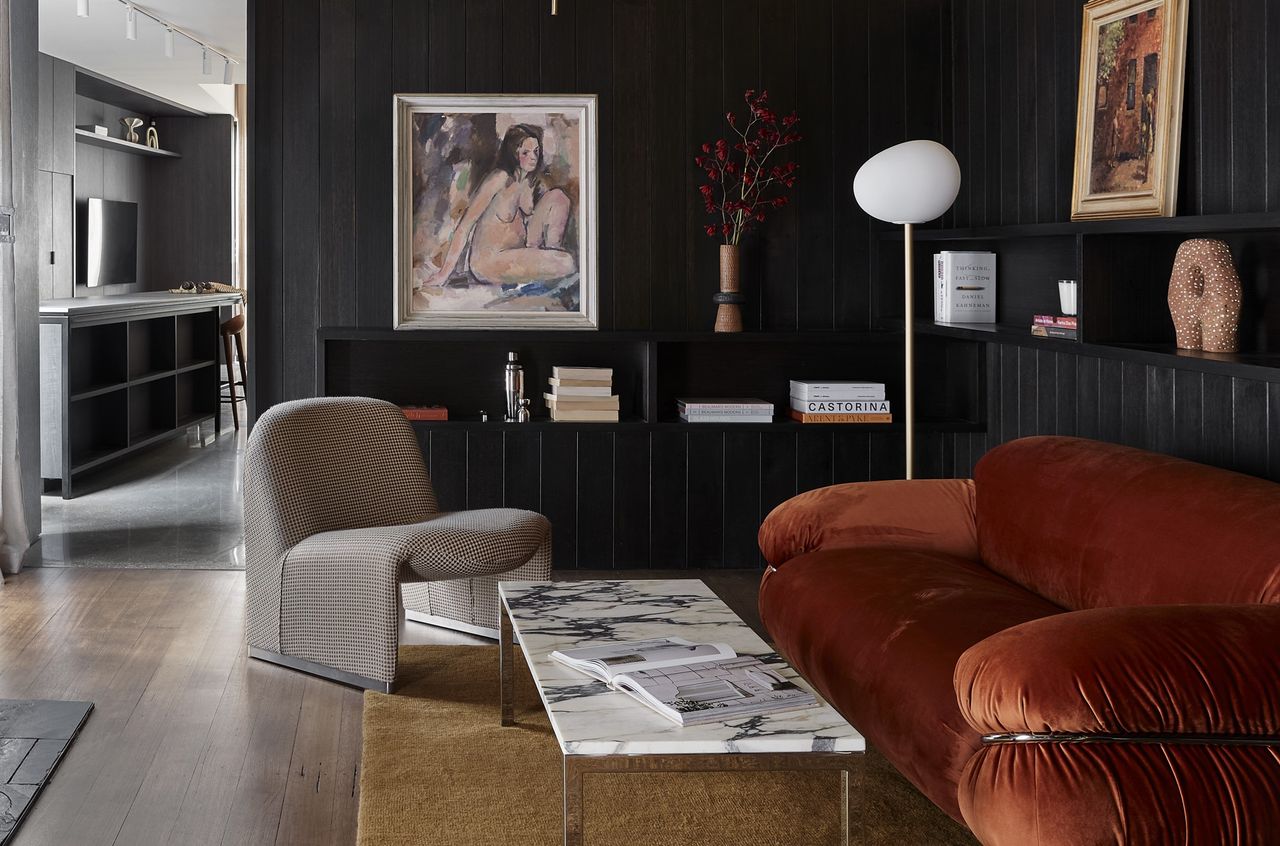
[(14, 536)]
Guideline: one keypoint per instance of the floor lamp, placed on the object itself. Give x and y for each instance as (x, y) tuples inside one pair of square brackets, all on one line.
[(911, 183)]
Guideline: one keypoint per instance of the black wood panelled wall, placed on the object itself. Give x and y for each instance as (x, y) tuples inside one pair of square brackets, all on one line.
[(1012, 122), (863, 74)]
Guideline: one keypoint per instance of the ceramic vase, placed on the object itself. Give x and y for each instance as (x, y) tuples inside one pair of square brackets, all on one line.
[(729, 301)]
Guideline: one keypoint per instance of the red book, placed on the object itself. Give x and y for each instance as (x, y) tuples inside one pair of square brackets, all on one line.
[(425, 412)]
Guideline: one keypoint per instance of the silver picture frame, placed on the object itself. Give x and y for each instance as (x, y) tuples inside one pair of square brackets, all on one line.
[(585, 217)]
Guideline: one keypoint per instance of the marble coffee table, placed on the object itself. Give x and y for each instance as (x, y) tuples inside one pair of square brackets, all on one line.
[(602, 730)]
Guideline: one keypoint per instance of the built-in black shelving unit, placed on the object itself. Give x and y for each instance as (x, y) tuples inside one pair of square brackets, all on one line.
[(122, 373), (1122, 268), (463, 370)]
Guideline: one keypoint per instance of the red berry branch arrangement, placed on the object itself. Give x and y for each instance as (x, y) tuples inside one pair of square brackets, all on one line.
[(742, 186)]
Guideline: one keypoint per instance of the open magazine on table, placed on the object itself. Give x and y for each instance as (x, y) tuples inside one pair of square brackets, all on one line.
[(689, 683)]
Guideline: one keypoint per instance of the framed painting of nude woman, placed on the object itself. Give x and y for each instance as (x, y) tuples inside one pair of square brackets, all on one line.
[(495, 211)]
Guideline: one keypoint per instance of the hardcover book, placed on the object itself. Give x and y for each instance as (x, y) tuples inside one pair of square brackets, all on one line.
[(965, 287), (802, 417), (425, 412), (807, 390), (594, 374), (609, 403), (839, 406)]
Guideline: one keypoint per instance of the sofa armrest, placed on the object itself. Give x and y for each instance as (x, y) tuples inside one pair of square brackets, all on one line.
[(1150, 670), (929, 515)]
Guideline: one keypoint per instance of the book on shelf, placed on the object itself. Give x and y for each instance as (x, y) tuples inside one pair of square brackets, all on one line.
[(1055, 320), (689, 683), (583, 415), (806, 390), (609, 403), (839, 406), (964, 285), (589, 374), (724, 406), (603, 391), (425, 412), (803, 417), (726, 418), (1042, 331), (580, 383)]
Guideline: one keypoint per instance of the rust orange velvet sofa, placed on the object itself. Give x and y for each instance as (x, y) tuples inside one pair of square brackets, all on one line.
[(1081, 645)]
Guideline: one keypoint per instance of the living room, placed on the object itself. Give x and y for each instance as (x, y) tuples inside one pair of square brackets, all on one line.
[(823, 421)]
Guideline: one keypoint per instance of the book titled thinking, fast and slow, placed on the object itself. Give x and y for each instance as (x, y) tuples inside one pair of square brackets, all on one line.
[(964, 286)]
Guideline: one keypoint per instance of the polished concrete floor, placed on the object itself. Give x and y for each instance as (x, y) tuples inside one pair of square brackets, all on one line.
[(176, 506)]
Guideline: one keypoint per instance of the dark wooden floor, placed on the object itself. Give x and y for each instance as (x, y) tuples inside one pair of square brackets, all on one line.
[(191, 742)]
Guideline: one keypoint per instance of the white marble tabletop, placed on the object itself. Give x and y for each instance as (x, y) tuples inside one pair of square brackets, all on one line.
[(591, 719)]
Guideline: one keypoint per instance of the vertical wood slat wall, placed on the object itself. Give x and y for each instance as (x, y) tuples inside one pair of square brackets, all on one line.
[(666, 71), (988, 77), (1014, 134)]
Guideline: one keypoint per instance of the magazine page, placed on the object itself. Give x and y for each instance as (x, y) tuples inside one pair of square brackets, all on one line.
[(714, 691), (606, 661)]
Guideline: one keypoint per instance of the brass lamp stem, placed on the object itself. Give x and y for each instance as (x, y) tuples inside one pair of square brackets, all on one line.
[(908, 319), (555, 7)]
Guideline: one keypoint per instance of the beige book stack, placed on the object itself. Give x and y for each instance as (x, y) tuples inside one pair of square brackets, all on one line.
[(582, 395)]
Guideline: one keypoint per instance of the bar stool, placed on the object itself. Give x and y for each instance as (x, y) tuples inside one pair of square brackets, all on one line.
[(234, 328)]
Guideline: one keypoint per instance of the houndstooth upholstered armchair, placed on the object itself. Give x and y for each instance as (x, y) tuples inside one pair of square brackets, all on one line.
[(338, 512)]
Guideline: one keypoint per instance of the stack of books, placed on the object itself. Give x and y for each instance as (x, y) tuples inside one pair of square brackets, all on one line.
[(1053, 326), (839, 402), (582, 395), (749, 410)]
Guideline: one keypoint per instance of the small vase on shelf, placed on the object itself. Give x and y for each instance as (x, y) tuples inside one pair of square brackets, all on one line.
[(729, 301)]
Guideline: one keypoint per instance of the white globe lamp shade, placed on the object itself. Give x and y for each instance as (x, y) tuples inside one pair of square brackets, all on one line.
[(915, 182)]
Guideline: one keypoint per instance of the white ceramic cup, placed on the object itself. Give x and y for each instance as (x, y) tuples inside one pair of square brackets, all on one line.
[(1067, 295)]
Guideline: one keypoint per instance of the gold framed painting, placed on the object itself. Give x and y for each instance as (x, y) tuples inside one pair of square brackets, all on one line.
[(1129, 125), (495, 211)]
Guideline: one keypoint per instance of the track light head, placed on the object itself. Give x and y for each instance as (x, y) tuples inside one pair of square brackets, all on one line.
[(130, 23), (206, 65), (226, 72), (168, 43), (82, 8)]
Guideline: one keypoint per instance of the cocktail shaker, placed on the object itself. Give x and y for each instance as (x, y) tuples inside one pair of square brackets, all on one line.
[(514, 388)]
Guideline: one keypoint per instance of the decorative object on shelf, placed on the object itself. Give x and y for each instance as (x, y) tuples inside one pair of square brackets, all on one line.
[(513, 384), (153, 137), (729, 301), (495, 211), (1204, 297), (907, 184), (1068, 291), (1129, 124), (95, 128), (742, 187), (131, 125)]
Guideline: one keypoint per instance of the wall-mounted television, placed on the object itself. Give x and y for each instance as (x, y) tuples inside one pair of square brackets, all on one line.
[(108, 242)]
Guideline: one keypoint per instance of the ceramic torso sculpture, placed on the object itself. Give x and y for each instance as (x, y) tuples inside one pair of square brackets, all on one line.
[(1204, 297)]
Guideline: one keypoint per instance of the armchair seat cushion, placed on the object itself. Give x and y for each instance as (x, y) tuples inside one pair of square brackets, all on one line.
[(878, 632), (449, 545)]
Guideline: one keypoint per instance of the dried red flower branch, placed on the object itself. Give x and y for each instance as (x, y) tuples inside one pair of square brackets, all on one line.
[(742, 187)]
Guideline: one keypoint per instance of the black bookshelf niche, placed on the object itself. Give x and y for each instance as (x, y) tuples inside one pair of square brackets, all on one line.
[(463, 370), (650, 491), (1122, 268)]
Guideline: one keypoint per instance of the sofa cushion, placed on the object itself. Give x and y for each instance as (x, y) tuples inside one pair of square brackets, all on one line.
[(1087, 524), (878, 633)]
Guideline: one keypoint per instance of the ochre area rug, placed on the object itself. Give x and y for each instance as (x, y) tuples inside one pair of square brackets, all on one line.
[(437, 768)]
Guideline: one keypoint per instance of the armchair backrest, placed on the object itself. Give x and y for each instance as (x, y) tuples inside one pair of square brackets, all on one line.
[(1087, 524)]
